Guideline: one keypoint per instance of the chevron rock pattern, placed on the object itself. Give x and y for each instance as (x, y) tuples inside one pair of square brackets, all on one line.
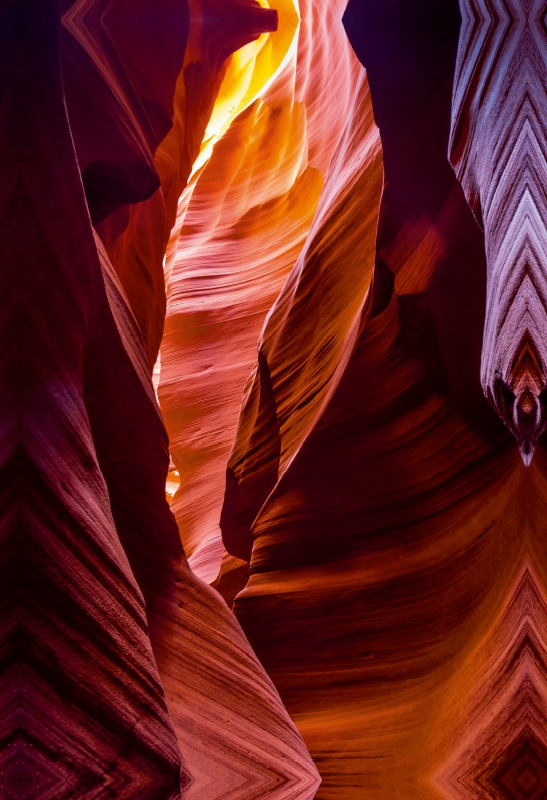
[(499, 151), (503, 751)]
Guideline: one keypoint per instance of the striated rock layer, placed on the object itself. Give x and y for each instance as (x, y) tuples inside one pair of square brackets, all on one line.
[(119, 86), (324, 350), (501, 751), (388, 543), (498, 148), (377, 557), (311, 329), (140, 81), (115, 656), (237, 738), (242, 223), (84, 713)]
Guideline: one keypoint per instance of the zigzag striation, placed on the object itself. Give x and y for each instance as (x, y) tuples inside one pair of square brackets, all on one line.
[(499, 150), (502, 751)]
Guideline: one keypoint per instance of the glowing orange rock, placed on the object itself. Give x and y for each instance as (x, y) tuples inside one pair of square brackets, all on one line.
[(242, 221), (310, 332), (236, 735), (125, 86)]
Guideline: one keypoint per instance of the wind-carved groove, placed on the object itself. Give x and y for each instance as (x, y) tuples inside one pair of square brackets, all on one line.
[(499, 151)]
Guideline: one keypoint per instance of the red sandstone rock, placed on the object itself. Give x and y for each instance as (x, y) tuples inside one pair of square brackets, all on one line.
[(83, 707), (97, 594), (242, 223)]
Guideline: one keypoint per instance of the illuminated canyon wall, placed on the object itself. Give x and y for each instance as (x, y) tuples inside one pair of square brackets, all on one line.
[(272, 387)]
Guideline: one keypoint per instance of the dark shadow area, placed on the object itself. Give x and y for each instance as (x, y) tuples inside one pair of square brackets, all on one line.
[(409, 50)]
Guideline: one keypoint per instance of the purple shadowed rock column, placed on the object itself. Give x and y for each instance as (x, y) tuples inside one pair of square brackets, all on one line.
[(499, 151), (83, 711)]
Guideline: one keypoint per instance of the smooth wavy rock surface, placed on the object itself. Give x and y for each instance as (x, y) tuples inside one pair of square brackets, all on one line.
[(84, 713), (236, 735), (132, 73), (242, 227), (372, 559), (342, 212), (115, 656), (217, 32), (498, 148), (119, 85), (384, 552), (311, 329)]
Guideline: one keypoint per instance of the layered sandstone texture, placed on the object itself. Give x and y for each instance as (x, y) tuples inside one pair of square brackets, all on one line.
[(282, 264), (241, 225), (124, 675), (396, 539), (498, 148), (84, 712)]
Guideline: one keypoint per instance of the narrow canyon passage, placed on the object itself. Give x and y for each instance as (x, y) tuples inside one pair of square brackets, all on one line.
[(272, 394)]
